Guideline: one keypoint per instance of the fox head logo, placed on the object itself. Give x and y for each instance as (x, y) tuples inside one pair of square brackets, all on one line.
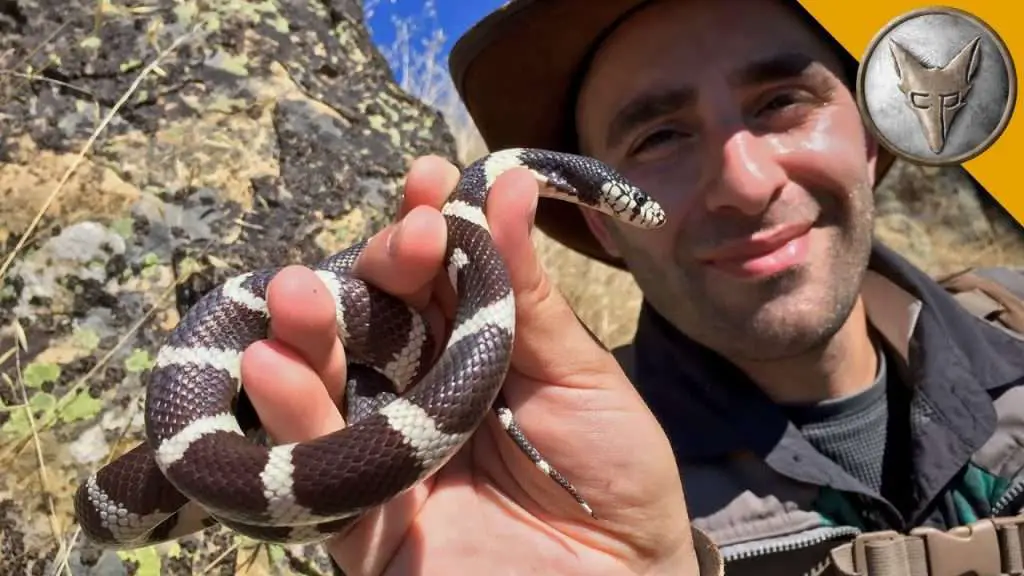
[(936, 94)]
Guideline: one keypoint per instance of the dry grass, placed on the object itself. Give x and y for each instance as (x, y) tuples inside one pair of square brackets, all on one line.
[(605, 298)]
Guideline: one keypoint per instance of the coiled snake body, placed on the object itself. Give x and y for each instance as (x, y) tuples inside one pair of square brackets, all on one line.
[(406, 416)]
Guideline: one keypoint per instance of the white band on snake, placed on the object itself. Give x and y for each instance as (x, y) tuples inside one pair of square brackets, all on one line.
[(406, 417)]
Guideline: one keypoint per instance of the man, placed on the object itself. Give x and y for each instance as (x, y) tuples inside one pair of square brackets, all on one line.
[(812, 385)]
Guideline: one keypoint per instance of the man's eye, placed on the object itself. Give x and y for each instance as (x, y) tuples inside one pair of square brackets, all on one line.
[(655, 139), (779, 102)]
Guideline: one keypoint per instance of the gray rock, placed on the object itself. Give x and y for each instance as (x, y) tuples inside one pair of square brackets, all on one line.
[(275, 135)]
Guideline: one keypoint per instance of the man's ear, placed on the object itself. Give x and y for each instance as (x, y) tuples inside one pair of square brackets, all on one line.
[(598, 225)]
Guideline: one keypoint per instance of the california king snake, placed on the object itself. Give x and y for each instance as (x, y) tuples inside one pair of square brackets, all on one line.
[(203, 462)]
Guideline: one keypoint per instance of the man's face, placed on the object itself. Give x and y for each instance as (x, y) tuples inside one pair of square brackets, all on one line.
[(733, 116)]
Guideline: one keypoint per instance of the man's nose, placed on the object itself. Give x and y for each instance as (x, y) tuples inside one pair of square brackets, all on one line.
[(749, 177)]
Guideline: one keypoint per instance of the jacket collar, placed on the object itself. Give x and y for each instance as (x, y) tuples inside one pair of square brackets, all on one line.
[(952, 359)]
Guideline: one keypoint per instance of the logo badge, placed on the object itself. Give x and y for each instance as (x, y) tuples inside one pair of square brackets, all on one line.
[(937, 86)]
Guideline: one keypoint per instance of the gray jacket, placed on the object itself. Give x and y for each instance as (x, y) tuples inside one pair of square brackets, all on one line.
[(763, 501)]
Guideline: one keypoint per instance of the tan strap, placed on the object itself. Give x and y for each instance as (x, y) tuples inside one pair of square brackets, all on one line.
[(986, 298), (709, 558), (990, 547)]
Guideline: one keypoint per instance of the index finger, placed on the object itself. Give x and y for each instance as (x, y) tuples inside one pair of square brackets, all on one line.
[(407, 264), (431, 179)]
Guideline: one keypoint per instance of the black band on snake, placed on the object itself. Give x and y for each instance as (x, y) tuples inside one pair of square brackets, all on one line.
[(405, 416)]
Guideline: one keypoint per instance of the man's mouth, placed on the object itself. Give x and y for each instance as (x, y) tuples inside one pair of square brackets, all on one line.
[(764, 254)]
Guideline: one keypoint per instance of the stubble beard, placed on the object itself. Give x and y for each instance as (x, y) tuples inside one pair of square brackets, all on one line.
[(791, 314)]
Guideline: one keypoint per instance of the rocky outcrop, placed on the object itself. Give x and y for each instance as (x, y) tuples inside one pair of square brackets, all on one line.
[(271, 133)]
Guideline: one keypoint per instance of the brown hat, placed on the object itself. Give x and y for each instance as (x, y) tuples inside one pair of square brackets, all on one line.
[(517, 71)]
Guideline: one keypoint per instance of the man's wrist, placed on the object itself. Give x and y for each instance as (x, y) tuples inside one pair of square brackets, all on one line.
[(698, 556)]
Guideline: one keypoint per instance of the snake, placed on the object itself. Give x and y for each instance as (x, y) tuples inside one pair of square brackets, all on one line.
[(410, 402)]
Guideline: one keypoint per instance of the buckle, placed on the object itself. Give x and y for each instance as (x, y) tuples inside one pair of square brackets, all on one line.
[(971, 550), (860, 558)]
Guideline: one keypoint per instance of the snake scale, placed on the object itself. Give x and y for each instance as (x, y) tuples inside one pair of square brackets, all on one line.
[(204, 460)]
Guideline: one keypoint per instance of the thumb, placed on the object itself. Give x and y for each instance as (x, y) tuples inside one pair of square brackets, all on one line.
[(551, 343)]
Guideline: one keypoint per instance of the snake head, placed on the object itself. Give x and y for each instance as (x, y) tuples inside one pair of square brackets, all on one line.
[(630, 204), (587, 182)]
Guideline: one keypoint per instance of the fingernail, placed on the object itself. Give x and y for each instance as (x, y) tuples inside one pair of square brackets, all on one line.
[(392, 243)]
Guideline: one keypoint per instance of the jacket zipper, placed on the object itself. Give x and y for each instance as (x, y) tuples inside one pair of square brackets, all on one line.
[(794, 544), (1008, 498)]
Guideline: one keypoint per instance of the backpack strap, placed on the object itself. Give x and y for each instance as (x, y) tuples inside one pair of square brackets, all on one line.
[(990, 547), (993, 294)]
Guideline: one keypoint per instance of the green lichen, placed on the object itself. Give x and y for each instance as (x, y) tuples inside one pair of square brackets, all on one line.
[(19, 425), (146, 559), (230, 63), (37, 374), (174, 550), (188, 266), (86, 340), (139, 361), (90, 43), (150, 259), (130, 65), (279, 24), (150, 266), (123, 227), (277, 555), (185, 12), (81, 407)]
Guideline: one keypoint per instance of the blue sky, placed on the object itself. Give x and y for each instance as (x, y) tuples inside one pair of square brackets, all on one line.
[(453, 16)]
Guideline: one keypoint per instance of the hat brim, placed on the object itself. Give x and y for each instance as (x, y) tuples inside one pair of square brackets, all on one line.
[(516, 71)]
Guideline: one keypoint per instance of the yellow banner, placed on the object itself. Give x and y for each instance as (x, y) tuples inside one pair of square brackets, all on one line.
[(998, 169)]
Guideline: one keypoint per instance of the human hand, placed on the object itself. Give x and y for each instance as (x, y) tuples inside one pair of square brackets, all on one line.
[(489, 506)]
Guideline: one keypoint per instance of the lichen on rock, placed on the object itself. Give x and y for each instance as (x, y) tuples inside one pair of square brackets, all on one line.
[(274, 134)]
